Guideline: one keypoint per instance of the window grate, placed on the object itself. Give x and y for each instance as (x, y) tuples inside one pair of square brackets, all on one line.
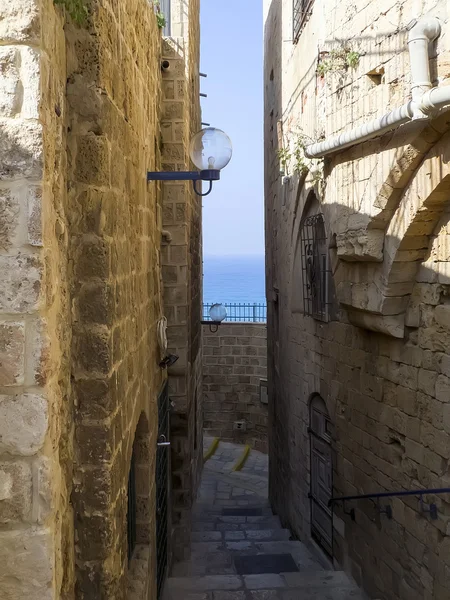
[(315, 268), (301, 11)]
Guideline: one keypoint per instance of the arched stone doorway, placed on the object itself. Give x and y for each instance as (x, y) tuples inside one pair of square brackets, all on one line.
[(140, 537), (321, 474)]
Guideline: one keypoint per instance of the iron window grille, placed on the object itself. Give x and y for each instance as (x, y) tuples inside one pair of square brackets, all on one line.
[(301, 11), (315, 268), (132, 509)]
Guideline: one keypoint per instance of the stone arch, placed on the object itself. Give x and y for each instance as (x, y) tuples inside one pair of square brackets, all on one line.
[(378, 295), (408, 235), (404, 150), (404, 165), (140, 500)]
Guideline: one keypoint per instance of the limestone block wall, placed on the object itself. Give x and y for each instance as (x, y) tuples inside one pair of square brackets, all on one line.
[(386, 394), (36, 523), (181, 264), (81, 294), (234, 363)]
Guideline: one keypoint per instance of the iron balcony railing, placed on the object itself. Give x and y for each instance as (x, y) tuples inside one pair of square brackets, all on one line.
[(432, 509), (241, 313)]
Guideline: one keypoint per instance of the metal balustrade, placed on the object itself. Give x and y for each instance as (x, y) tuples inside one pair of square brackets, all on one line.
[(241, 313)]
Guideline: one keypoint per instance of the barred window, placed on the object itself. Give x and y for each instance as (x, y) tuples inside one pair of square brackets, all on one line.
[(315, 268), (301, 11)]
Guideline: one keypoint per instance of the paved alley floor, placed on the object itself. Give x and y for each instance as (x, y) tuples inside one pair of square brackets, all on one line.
[(239, 549)]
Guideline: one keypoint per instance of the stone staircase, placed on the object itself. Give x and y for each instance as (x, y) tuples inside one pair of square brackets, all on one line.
[(243, 553)]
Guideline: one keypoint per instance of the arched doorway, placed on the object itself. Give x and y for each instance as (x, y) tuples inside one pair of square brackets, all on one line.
[(321, 474)]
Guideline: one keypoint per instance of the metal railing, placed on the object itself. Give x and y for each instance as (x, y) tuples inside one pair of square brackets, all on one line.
[(241, 313), (387, 509)]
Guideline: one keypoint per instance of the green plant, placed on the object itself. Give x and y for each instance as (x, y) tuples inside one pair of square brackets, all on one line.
[(297, 157), (284, 156), (76, 9), (338, 59), (352, 59), (324, 67), (300, 143), (160, 16)]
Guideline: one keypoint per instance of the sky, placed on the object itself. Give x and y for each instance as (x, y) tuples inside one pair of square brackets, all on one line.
[(232, 57)]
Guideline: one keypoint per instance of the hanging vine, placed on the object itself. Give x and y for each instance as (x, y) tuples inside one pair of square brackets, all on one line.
[(293, 155), (339, 59), (160, 16), (76, 9)]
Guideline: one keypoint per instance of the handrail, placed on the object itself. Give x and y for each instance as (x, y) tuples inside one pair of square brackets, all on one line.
[(389, 494)]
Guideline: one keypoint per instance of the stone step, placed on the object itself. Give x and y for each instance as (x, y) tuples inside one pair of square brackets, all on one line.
[(250, 547), (325, 585), (235, 523), (218, 558), (252, 535), (206, 510)]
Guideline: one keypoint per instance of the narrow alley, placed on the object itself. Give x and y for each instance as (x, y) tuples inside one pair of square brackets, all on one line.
[(240, 550)]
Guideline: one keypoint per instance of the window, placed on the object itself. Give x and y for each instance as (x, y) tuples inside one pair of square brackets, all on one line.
[(301, 11), (315, 268)]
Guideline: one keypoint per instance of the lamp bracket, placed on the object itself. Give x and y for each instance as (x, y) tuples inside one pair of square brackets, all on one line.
[(204, 175), (213, 325), (194, 176)]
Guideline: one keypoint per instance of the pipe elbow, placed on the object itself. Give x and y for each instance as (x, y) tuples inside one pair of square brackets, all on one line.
[(427, 28)]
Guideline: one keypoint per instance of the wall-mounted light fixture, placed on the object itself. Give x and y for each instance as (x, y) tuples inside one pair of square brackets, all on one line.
[(168, 361), (218, 313), (210, 152)]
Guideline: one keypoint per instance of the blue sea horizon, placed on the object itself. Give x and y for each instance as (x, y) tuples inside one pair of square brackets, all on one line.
[(234, 279)]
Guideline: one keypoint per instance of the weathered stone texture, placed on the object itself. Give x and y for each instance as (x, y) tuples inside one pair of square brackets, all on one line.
[(114, 234), (234, 363), (81, 294), (387, 398), (181, 265)]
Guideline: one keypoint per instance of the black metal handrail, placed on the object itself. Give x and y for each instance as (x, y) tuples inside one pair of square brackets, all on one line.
[(387, 510), (389, 495)]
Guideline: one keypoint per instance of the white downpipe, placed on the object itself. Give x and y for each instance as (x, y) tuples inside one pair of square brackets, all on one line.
[(421, 35), (425, 99)]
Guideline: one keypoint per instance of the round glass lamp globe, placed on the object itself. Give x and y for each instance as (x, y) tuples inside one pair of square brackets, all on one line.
[(218, 313), (211, 149)]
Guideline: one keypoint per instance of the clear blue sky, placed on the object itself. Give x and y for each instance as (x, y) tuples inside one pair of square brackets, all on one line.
[(232, 56)]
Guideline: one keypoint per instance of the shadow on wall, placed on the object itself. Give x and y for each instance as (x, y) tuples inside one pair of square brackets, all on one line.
[(381, 363)]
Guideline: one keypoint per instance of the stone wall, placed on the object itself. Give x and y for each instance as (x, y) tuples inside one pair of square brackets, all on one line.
[(234, 363), (81, 296), (36, 523), (386, 218), (115, 221), (181, 262)]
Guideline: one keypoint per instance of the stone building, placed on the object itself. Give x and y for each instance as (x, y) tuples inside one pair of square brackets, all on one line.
[(358, 282), (92, 257)]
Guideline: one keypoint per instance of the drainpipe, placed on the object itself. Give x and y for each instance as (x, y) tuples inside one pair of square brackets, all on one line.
[(425, 101)]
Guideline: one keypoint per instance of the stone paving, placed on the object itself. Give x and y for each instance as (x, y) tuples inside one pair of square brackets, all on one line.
[(239, 549)]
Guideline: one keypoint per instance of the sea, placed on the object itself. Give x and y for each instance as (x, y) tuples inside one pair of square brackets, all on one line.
[(234, 279)]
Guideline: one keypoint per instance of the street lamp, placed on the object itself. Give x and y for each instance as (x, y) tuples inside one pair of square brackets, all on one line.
[(210, 151), (217, 313)]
